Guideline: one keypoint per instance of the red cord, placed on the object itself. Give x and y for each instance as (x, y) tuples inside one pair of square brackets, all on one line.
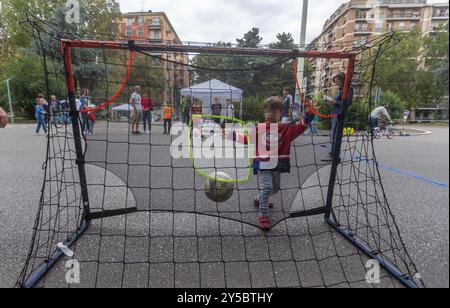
[(124, 83), (300, 94)]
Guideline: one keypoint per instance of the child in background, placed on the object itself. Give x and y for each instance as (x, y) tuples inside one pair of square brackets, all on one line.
[(266, 136), (91, 122), (40, 116), (168, 115), (313, 131)]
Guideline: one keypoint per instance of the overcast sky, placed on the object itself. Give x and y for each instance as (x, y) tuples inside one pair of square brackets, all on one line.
[(225, 20)]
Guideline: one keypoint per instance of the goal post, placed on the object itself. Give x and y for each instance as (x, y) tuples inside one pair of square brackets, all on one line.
[(115, 187)]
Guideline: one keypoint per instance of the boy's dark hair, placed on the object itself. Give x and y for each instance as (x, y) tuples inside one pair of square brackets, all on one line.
[(40, 96), (341, 77), (274, 103), (287, 89)]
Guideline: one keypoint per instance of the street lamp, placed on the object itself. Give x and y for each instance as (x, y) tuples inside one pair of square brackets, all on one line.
[(301, 61), (11, 112)]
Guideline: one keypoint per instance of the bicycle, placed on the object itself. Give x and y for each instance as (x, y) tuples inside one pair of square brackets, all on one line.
[(387, 131)]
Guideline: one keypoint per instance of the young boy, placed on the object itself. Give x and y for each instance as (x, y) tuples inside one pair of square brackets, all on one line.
[(168, 115), (91, 122), (40, 116), (280, 136)]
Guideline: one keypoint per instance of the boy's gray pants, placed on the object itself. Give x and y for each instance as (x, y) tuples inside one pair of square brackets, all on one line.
[(269, 184)]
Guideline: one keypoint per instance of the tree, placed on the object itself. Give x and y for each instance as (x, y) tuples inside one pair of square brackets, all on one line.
[(437, 54), (98, 19), (251, 39), (27, 81), (255, 75), (284, 41), (416, 69)]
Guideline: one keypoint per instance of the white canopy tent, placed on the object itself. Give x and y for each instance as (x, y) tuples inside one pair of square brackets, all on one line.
[(207, 91), (121, 112)]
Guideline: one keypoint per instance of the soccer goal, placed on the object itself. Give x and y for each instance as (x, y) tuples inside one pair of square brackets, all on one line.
[(176, 203)]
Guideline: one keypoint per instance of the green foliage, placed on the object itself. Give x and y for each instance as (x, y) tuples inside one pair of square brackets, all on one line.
[(396, 105), (27, 81), (252, 108), (20, 59), (265, 81), (437, 54), (251, 39), (284, 41), (416, 70)]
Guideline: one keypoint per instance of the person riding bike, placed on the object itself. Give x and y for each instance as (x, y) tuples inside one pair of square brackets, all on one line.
[(378, 116)]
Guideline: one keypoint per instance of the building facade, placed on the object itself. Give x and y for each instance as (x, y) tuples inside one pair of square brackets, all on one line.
[(155, 27), (358, 21)]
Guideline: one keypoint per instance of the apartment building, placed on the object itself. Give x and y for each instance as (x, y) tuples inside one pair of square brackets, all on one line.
[(155, 27), (357, 21)]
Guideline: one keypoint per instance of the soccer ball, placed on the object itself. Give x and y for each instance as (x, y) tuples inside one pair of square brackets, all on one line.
[(216, 189)]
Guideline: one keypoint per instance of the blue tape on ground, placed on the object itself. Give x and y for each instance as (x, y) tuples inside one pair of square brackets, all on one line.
[(407, 173)]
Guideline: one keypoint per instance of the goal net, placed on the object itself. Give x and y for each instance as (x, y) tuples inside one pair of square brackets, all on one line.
[(150, 179)]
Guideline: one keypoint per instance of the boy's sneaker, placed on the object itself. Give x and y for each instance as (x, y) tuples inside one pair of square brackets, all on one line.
[(256, 203), (264, 222)]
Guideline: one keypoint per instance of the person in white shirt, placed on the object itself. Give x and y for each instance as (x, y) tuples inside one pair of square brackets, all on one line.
[(377, 113), (136, 110), (230, 109), (288, 101)]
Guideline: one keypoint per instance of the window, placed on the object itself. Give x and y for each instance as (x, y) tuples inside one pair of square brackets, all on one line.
[(140, 19), (129, 33), (130, 21), (155, 35), (156, 22), (401, 26), (140, 32)]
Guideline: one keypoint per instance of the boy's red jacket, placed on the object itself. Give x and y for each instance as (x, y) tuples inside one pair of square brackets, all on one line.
[(274, 141), (92, 117)]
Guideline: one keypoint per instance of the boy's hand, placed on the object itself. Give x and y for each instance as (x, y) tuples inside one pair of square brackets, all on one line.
[(3, 118), (329, 99)]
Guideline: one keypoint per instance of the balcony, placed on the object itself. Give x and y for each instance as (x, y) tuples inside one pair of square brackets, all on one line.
[(363, 31), (440, 15), (404, 16)]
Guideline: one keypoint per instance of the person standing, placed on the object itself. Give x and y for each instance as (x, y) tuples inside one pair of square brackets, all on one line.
[(406, 115), (216, 110), (288, 100), (40, 116), (338, 106), (55, 110), (230, 109), (185, 109), (91, 122), (168, 116), (147, 107), (136, 110), (84, 105)]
